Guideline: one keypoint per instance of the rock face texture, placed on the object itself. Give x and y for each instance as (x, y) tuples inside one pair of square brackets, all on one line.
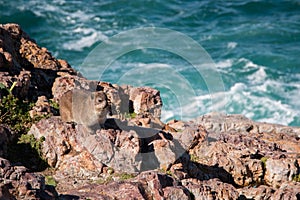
[(133, 155)]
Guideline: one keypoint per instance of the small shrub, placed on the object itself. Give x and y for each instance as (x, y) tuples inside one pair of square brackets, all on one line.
[(35, 144), (14, 113)]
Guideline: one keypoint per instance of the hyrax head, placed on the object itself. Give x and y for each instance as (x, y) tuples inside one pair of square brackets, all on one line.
[(100, 101)]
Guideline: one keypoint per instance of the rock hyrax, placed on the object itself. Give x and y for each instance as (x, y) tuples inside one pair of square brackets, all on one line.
[(84, 107)]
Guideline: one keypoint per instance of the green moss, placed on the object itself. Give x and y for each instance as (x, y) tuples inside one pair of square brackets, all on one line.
[(115, 176), (125, 176), (168, 172), (110, 170), (296, 178), (264, 161), (54, 104), (194, 158), (130, 115), (49, 180), (105, 180)]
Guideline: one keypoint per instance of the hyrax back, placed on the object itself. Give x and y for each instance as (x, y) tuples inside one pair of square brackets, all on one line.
[(84, 107)]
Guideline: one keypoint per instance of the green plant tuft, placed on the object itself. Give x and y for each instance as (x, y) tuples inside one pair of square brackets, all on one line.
[(194, 158), (49, 180), (35, 144), (130, 115), (296, 178), (2, 86), (125, 176), (54, 104), (264, 161)]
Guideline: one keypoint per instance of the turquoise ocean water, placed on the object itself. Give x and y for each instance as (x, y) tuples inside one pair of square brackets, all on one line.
[(255, 45)]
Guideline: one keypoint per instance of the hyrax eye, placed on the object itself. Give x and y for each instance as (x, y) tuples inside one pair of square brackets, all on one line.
[(99, 100)]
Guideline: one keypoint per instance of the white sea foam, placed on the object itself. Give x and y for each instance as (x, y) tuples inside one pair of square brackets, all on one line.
[(243, 100), (88, 37), (261, 108), (224, 63), (259, 76), (231, 45), (248, 63)]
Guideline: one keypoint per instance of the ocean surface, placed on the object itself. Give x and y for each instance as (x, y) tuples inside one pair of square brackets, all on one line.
[(254, 46)]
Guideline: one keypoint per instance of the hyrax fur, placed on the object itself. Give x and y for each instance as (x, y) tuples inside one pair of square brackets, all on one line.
[(84, 107)]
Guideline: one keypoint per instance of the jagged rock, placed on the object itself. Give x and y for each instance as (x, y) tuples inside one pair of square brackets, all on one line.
[(288, 190), (146, 121), (176, 193), (114, 190), (147, 185), (281, 170), (256, 193), (62, 149), (17, 182), (32, 67), (41, 108), (146, 100), (123, 150), (169, 148), (188, 134), (220, 123), (211, 189), (237, 145), (242, 168), (65, 83)]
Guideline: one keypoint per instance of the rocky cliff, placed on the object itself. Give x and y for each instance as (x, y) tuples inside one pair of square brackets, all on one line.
[(135, 155)]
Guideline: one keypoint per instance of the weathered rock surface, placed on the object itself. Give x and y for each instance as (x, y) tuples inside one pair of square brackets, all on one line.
[(135, 155), (32, 67), (18, 182)]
